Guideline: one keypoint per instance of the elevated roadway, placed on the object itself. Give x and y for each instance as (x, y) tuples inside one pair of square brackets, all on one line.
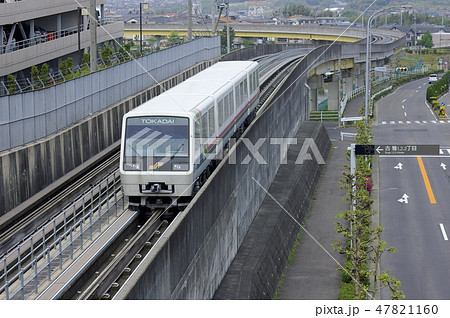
[(307, 32)]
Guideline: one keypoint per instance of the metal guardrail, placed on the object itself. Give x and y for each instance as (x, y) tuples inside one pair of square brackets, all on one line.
[(39, 258), (38, 82), (48, 36)]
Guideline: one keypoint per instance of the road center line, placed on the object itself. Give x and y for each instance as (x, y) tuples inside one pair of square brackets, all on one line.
[(444, 234), (426, 181)]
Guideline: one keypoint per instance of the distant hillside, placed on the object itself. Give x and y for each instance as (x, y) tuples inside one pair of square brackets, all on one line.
[(423, 6)]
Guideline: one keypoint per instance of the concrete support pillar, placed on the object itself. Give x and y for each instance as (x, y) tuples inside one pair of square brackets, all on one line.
[(58, 25), (314, 83), (333, 95), (347, 82), (313, 99), (31, 32)]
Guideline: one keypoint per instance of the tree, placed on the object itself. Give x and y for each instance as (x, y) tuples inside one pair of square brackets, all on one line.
[(35, 77), (44, 74), (86, 59), (247, 42), (66, 67), (363, 246), (223, 37), (426, 40), (174, 38), (293, 9), (11, 83), (106, 55)]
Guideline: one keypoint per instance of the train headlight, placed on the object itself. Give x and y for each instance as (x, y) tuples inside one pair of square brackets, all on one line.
[(176, 166)]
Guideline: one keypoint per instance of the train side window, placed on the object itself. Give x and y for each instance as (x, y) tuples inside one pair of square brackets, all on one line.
[(221, 109), (228, 102), (238, 95), (211, 121), (245, 89), (204, 126), (197, 129), (252, 82)]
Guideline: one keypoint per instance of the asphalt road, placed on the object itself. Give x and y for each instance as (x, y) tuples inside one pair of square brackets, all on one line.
[(414, 194)]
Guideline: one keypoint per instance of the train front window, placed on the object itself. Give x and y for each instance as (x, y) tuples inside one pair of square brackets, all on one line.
[(156, 143)]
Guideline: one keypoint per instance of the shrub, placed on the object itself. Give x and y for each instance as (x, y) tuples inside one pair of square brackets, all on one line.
[(347, 292), (44, 73), (11, 84)]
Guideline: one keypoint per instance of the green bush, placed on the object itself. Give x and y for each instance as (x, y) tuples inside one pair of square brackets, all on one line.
[(11, 84), (347, 292), (44, 73), (439, 88), (436, 105)]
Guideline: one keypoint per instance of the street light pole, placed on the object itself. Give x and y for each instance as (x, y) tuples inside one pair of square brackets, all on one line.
[(145, 6), (368, 54)]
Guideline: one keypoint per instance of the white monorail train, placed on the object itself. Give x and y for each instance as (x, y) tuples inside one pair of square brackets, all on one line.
[(168, 142)]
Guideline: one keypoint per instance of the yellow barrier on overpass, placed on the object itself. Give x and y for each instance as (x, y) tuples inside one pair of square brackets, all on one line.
[(245, 34), (308, 32)]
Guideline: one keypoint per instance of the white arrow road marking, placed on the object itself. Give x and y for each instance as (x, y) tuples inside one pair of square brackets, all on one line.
[(399, 166), (444, 234), (444, 167), (404, 199)]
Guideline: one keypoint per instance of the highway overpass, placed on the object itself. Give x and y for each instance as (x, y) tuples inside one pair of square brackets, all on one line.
[(307, 32)]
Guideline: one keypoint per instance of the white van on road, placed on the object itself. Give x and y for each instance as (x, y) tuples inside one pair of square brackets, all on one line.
[(432, 78)]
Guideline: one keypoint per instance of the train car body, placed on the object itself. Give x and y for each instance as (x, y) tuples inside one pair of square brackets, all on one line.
[(168, 143)]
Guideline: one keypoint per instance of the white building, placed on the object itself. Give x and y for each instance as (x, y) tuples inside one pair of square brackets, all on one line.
[(33, 32)]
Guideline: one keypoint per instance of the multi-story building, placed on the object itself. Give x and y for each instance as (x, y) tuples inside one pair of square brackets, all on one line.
[(33, 32)]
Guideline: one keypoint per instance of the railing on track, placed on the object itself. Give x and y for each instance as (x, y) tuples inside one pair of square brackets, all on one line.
[(39, 258)]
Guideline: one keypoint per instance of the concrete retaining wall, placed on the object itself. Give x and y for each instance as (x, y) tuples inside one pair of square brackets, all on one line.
[(259, 263), (27, 170)]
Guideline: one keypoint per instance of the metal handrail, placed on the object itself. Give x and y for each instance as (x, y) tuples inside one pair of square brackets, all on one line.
[(50, 247)]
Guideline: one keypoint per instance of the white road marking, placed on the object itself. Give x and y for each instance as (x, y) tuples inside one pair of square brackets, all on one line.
[(404, 199), (405, 114), (402, 100), (444, 234), (383, 123), (403, 106), (424, 121), (408, 122), (433, 121), (417, 122), (441, 121), (392, 122)]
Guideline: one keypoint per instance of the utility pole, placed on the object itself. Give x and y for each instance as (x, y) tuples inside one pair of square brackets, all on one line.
[(189, 20), (93, 26)]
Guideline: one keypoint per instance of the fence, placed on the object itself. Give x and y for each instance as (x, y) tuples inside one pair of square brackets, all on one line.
[(38, 258), (33, 115)]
